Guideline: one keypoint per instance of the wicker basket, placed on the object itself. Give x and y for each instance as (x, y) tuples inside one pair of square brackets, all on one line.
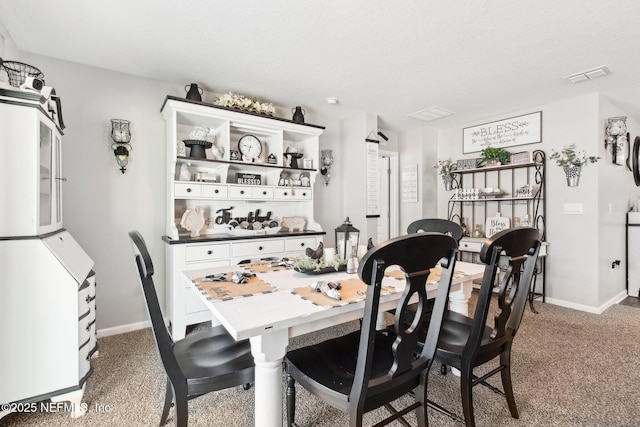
[(18, 72)]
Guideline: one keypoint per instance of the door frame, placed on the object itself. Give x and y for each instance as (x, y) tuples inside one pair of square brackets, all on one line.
[(394, 197)]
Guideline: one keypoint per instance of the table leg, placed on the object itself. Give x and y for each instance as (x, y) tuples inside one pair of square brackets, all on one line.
[(459, 302), (268, 350)]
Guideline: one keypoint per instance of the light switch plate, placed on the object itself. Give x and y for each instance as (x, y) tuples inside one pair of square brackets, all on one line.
[(572, 209)]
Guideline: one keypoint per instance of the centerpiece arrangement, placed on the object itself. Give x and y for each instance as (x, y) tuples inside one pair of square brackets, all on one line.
[(571, 159), (309, 265), (241, 102)]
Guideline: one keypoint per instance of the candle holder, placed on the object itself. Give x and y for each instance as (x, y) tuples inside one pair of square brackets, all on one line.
[(121, 136)]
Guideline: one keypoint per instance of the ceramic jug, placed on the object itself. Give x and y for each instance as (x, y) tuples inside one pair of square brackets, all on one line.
[(194, 92), (298, 115)]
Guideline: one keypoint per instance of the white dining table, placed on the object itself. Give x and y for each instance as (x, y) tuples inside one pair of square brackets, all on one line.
[(269, 320)]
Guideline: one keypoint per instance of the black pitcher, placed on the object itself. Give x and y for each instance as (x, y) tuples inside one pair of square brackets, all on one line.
[(194, 92), (298, 115)]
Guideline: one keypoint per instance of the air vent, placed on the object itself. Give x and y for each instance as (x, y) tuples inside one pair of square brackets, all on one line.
[(589, 74), (430, 114)]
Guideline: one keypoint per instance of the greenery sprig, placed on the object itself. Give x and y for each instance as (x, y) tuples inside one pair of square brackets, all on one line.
[(570, 155)]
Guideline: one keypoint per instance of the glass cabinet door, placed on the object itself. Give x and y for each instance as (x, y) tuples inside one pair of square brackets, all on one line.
[(46, 174), (58, 181)]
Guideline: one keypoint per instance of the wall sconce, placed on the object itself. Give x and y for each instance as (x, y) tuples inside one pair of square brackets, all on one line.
[(326, 160), (616, 141), (121, 135)]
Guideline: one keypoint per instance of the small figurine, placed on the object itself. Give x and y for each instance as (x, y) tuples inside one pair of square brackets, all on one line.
[(317, 253)]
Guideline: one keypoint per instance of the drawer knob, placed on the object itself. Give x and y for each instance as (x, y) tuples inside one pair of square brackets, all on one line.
[(209, 252), (216, 191), (302, 244), (188, 190), (264, 193), (259, 248), (304, 194), (286, 194), (241, 191)]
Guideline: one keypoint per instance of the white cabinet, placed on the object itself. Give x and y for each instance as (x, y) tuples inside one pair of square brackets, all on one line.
[(48, 309), (227, 187), (47, 286), (31, 166)]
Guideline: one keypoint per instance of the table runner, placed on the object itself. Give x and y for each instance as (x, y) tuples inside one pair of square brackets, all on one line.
[(433, 277), (352, 290), (223, 291), (262, 267)]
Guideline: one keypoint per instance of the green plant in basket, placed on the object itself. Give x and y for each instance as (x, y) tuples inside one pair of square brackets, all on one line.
[(500, 154), (307, 263)]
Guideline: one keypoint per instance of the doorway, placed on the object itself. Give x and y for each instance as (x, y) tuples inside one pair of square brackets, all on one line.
[(388, 222)]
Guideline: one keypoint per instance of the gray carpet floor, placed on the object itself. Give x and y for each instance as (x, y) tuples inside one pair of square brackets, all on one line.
[(570, 368)]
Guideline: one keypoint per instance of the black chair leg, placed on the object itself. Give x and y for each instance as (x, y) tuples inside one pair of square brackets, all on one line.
[(182, 407), (168, 401), (291, 401), (466, 389), (505, 374)]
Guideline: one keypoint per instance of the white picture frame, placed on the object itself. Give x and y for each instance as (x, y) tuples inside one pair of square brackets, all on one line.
[(518, 130)]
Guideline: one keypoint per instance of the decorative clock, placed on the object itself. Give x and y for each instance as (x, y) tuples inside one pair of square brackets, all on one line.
[(250, 147)]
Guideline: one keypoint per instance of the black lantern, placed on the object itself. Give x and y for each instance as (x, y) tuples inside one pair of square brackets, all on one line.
[(347, 237)]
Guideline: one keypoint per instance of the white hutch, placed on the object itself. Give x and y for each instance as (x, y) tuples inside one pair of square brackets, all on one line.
[(226, 186), (47, 286)]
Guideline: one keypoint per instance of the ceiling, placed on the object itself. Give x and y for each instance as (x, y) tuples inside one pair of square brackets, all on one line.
[(479, 59)]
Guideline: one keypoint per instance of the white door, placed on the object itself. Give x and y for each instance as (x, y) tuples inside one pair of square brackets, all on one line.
[(388, 223)]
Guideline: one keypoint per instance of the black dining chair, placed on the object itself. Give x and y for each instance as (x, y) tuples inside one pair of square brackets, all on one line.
[(202, 362), (436, 225), (367, 369), (468, 342)]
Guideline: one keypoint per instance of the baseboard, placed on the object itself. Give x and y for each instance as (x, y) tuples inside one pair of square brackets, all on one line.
[(589, 309), (116, 330)]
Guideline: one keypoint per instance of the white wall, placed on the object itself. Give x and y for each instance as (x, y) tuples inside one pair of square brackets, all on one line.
[(419, 146), (580, 253), (617, 191), (101, 205)]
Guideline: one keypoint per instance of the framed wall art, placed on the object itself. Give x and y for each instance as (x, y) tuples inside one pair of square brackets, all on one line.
[(519, 130)]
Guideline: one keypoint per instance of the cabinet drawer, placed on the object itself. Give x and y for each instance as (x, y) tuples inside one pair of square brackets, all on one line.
[(206, 252), (184, 189), (470, 246), (296, 193), (262, 193), (249, 192), (87, 327), (257, 248), (299, 244), (86, 297), (214, 191)]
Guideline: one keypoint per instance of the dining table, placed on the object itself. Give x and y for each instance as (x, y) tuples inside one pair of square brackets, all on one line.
[(276, 304)]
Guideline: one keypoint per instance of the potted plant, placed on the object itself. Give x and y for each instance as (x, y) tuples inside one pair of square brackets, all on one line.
[(571, 159), (496, 156), (446, 169)]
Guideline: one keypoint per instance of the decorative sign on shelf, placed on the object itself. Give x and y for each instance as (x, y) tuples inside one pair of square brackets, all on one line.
[(248, 178), (520, 130), (496, 224), (463, 164)]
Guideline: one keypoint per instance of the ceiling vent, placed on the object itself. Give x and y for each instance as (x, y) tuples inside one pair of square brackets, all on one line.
[(589, 74), (430, 114)]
